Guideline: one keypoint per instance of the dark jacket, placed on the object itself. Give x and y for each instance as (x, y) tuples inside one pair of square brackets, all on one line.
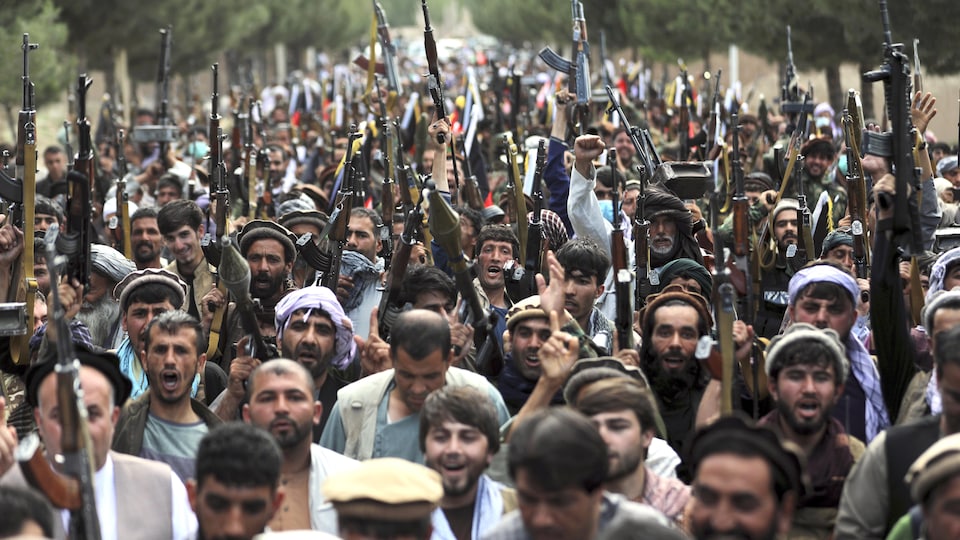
[(128, 435)]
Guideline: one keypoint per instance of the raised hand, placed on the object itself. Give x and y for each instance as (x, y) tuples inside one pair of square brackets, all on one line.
[(586, 149), (374, 352), (558, 354)]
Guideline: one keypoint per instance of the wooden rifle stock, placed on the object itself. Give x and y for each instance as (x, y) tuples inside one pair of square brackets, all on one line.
[(517, 202), (621, 273), (856, 204), (470, 190)]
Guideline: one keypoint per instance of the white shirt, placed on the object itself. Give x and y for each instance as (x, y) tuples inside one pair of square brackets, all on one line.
[(105, 490)]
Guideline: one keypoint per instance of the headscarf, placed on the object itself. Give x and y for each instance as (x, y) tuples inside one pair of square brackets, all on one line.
[(110, 262), (861, 365), (325, 302), (939, 271), (686, 267)]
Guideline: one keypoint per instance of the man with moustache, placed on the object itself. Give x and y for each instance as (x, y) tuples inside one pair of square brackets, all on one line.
[(459, 435), (496, 245), (99, 311), (747, 482), (181, 224), (378, 416), (783, 222), (146, 240), (132, 494), (673, 322), (312, 330), (270, 252), (806, 370), (282, 402), (166, 424)]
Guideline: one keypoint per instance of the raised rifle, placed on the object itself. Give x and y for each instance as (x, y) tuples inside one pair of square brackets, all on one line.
[(790, 89), (390, 300), (445, 223), (123, 225), (237, 135), (514, 191), (76, 241), (21, 189), (388, 49), (218, 178), (895, 76), (251, 154), (577, 69), (470, 190), (683, 127), (387, 203), (404, 175), (714, 126), (164, 131), (857, 191), (264, 195), (76, 458), (622, 277), (533, 252), (641, 225), (336, 229), (799, 253), (741, 253), (724, 298), (434, 82)]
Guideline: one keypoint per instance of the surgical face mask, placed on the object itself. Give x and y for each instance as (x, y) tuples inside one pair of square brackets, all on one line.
[(823, 121), (197, 149), (842, 163), (606, 208)]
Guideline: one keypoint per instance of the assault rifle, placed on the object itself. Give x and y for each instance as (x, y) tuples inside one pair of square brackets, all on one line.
[(21, 190), (470, 190), (164, 131), (895, 76), (76, 458), (387, 203), (76, 241), (434, 82), (533, 254), (799, 253), (857, 190), (577, 69), (234, 273), (218, 178), (390, 301), (621, 272), (388, 49), (336, 229)]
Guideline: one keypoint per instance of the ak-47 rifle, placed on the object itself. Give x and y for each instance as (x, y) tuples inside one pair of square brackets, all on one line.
[(390, 301), (445, 223), (724, 298), (741, 252), (434, 82), (123, 223), (388, 49), (336, 229), (264, 195), (470, 190), (164, 131), (405, 177), (74, 491), (250, 164), (857, 190), (713, 127), (237, 144), (895, 75), (218, 178), (799, 253), (387, 203), (21, 189), (577, 69), (533, 251), (76, 241), (622, 277), (790, 89), (641, 225), (514, 191)]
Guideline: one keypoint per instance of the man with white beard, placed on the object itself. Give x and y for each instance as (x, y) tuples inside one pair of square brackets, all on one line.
[(100, 312)]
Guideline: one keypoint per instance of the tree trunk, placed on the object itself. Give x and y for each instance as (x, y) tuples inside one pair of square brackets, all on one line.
[(835, 91), (870, 110)]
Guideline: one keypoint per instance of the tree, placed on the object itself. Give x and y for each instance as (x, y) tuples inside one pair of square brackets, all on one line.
[(50, 65)]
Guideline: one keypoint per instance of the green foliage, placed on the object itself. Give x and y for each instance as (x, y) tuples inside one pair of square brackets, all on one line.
[(50, 67)]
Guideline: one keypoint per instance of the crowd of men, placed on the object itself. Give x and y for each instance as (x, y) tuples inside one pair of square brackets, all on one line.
[(380, 404)]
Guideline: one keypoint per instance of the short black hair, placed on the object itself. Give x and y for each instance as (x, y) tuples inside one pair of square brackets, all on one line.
[(421, 278), (178, 213), (144, 212), (170, 180), (171, 322), (497, 233), (465, 405), (419, 333), (559, 448), (47, 206), (22, 505), (238, 454), (585, 256)]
